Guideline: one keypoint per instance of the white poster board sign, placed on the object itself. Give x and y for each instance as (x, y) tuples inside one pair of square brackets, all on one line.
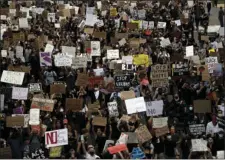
[(34, 116), (70, 50), (23, 23), (63, 60), (19, 93), (51, 17), (56, 138), (80, 62), (135, 105), (211, 60), (154, 108), (189, 51), (161, 25), (199, 145), (99, 72), (49, 48), (95, 48), (160, 122), (127, 59), (12, 77), (113, 109), (112, 54)]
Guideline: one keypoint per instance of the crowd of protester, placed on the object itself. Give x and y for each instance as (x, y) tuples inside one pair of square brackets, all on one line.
[(190, 96)]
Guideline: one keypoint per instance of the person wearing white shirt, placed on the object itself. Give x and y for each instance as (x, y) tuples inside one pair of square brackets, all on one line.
[(213, 127)]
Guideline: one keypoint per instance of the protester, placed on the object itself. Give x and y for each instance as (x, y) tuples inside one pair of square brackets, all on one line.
[(111, 80)]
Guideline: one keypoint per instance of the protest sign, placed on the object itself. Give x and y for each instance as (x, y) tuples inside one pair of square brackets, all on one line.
[(19, 93), (18, 110), (34, 116), (107, 142), (113, 109), (128, 67), (197, 129), (69, 50), (19, 51), (127, 59), (45, 59), (202, 106), (122, 81), (74, 104), (154, 108), (124, 95), (159, 75), (63, 60), (57, 88), (199, 145), (56, 138), (35, 87), (161, 131), (220, 155), (189, 51), (92, 81), (160, 122), (48, 48), (51, 17), (112, 54), (23, 23), (55, 152), (79, 62), (117, 148), (141, 59), (43, 104), (17, 121), (113, 12), (123, 139), (5, 153), (19, 68), (135, 105), (95, 48), (180, 70), (99, 121), (26, 119), (143, 134), (12, 77), (99, 35), (161, 25), (82, 80)]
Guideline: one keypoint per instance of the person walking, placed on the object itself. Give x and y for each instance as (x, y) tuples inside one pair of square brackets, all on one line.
[(209, 6), (221, 17)]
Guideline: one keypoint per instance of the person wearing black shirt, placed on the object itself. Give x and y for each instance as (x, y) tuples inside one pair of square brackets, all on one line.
[(221, 16), (170, 147)]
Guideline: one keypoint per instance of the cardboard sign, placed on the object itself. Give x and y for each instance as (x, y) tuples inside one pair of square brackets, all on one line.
[(202, 106), (138, 107), (34, 116), (74, 104), (124, 95), (154, 108), (14, 121), (26, 119), (45, 59), (161, 131), (143, 134), (89, 31), (57, 88), (199, 145), (35, 87), (43, 104), (99, 35), (56, 138), (134, 43), (159, 75), (132, 26), (55, 152), (92, 81), (113, 109), (205, 38), (19, 68), (19, 93), (122, 81), (99, 121), (160, 122), (82, 80), (12, 77), (117, 148), (5, 153), (197, 129), (121, 35)]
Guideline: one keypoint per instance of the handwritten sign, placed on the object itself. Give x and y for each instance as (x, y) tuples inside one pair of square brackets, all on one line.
[(12, 77), (63, 60), (19, 93), (154, 108), (95, 48), (135, 105), (199, 145), (143, 134), (43, 104), (35, 87), (45, 59), (56, 138), (112, 54), (122, 81), (79, 62), (34, 116), (197, 129), (160, 122), (159, 75), (113, 109)]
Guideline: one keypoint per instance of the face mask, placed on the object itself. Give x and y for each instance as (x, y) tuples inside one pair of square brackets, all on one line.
[(61, 110), (190, 108)]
